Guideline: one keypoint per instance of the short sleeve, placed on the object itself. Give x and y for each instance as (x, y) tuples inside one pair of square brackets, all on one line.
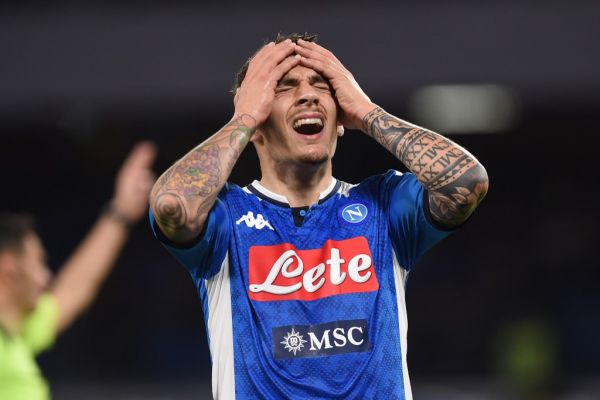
[(411, 228), (39, 329), (203, 257)]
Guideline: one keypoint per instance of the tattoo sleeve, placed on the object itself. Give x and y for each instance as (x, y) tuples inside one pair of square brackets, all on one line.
[(185, 193), (455, 180)]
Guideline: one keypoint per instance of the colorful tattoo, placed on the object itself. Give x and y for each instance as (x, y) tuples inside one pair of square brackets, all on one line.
[(191, 185), (197, 174)]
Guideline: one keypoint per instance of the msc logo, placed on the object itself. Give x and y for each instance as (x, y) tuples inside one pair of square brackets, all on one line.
[(259, 222), (293, 341), (327, 339), (355, 213)]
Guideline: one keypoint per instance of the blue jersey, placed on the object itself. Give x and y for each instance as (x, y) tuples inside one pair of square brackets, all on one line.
[(308, 303)]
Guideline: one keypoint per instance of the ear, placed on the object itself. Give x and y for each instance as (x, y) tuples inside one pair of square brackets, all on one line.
[(340, 129), (235, 96), (8, 264)]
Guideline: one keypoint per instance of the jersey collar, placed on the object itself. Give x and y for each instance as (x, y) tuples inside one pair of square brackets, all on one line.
[(265, 194)]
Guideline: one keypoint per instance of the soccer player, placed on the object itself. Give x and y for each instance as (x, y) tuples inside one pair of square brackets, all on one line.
[(301, 276), (34, 310)]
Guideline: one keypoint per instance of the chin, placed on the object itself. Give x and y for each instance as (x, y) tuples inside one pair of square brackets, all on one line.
[(314, 158), (32, 303)]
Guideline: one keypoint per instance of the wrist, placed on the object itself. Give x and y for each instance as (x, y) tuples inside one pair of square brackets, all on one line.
[(110, 211), (246, 118), (355, 118), (364, 110), (368, 115)]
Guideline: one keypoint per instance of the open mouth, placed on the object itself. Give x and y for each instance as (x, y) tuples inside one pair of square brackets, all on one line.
[(308, 126)]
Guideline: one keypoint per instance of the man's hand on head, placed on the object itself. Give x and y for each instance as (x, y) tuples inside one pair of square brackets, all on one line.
[(255, 95), (353, 102)]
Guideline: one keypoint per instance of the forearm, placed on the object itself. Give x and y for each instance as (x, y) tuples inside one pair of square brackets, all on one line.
[(455, 180), (86, 269), (185, 193)]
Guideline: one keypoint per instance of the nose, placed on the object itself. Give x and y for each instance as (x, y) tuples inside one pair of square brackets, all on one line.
[(307, 95)]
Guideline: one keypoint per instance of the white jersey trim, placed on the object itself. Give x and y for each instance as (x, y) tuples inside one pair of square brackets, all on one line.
[(282, 199), (400, 275), (220, 333), (328, 190)]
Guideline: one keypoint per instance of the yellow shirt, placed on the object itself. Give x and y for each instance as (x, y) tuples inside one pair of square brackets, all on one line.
[(20, 376)]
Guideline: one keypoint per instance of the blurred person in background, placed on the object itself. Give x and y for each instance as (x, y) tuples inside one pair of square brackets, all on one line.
[(301, 275), (34, 307)]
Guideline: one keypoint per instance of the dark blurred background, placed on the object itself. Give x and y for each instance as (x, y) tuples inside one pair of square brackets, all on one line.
[(506, 308)]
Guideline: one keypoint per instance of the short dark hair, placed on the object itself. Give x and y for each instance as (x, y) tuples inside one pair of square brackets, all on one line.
[(239, 77), (13, 229)]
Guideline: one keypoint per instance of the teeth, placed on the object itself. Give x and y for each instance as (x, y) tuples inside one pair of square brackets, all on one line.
[(306, 121)]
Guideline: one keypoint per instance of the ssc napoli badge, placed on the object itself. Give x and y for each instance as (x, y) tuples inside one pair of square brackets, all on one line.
[(354, 213)]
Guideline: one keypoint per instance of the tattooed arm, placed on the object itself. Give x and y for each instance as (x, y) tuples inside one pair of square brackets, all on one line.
[(455, 180), (185, 193), (183, 196)]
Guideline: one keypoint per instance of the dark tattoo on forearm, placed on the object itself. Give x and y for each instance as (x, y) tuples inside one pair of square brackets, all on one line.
[(455, 180), (384, 128), (192, 184)]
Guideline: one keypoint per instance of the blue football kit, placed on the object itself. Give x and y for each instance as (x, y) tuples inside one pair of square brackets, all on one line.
[(308, 302)]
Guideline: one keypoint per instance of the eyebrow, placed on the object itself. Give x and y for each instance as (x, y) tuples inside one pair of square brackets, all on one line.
[(292, 81)]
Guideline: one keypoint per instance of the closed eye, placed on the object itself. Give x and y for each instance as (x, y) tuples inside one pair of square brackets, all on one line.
[(322, 86), (282, 88)]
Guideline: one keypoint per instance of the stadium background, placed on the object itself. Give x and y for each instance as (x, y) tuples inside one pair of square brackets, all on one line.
[(506, 308)]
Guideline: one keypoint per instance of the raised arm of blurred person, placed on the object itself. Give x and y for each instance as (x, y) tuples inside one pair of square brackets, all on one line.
[(81, 276), (183, 196), (455, 180)]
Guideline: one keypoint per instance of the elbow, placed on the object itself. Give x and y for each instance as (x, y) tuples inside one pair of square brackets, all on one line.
[(175, 220), (481, 183), (169, 211), (454, 204)]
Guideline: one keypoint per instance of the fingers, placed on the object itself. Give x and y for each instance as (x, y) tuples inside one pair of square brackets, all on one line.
[(316, 49), (325, 67), (283, 68), (260, 54), (142, 156), (324, 63), (269, 57)]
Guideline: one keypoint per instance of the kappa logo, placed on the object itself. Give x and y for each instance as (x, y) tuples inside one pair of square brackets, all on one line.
[(251, 222), (355, 213), (326, 339)]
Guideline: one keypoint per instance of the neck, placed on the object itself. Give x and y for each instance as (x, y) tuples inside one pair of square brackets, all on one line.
[(11, 318), (300, 183)]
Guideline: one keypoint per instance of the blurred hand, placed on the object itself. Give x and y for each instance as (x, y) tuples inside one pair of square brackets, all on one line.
[(257, 91), (353, 102), (134, 182)]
